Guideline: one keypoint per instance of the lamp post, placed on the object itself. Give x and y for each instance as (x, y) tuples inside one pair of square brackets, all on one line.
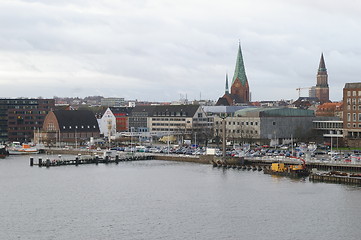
[(168, 134), (76, 141), (224, 137)]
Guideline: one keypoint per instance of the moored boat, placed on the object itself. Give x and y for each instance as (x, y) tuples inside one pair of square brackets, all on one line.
[(281, 169), (3, 151), (17, 149)]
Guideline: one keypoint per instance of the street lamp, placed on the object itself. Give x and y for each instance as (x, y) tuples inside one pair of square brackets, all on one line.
[(224, 137)]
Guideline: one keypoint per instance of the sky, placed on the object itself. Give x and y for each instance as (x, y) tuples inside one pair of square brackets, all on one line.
[(161, 50)]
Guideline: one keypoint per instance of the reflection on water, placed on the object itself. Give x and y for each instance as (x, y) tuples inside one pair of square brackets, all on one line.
[(169, 200)]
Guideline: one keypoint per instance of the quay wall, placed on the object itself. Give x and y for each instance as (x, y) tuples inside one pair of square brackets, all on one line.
[(207, 159), (196, 159)]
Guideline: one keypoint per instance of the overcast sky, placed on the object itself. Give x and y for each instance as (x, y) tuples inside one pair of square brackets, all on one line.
[(160, 50)]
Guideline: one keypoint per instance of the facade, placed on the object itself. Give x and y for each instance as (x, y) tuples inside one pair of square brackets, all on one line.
[(114, 119), (352, 114), (112, 102), (240, 93), (321, 89), (64, 127), (181, 121), (265, 125), (107, 124), (19, 118), (330, 110)]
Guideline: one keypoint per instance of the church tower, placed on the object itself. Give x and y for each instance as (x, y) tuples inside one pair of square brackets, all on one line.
[(321, 89), (239, 87)]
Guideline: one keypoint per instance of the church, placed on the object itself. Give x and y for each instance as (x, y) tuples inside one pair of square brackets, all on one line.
[(239, 94)]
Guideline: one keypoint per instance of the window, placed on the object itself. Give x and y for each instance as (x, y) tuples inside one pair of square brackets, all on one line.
[(353, 100), (354, 117), (273, 123), (348, 93), (353, 93), (353, 107), (359, 117)]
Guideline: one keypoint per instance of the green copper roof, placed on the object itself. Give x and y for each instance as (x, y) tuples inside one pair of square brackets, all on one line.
[(227, 88), (240, 71), (274, 112)]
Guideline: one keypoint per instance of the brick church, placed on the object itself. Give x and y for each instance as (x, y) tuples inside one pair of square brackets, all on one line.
[(239, 94)]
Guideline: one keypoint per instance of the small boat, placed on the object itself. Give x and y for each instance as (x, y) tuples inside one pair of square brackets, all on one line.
[(16, 149)]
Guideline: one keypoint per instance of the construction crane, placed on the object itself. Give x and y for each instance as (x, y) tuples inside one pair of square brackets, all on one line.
[(299, 90)]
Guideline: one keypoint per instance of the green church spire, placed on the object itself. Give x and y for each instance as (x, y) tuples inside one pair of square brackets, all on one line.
[(227, 88), (240, 71)]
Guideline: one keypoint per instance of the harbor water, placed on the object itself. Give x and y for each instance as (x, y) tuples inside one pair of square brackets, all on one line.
[(169, 200)]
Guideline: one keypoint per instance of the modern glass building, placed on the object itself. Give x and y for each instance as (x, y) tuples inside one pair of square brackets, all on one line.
[(20, 117)]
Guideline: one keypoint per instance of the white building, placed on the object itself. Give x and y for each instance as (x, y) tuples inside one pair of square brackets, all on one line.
[(107, 124)]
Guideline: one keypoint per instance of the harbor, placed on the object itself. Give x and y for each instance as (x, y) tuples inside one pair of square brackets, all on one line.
[(319, 171), (153, 199)]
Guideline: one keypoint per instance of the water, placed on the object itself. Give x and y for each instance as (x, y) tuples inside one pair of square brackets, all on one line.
[(169, 200)]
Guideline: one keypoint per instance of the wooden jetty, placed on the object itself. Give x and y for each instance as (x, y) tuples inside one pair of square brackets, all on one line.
[(87, 160)]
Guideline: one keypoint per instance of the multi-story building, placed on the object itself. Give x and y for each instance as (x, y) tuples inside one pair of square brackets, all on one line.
[(183, 121), (114, 119), (352, 114), (19, 118), (265, 125), (112, 102)]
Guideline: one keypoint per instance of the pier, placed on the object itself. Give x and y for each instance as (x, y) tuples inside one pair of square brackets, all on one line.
[(80, 160), (330, 178)]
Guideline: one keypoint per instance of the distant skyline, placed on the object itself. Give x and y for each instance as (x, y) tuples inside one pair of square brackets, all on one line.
[(159, 50)]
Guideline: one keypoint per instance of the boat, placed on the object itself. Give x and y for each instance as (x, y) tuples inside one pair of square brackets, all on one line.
[(16, 149), (281, 169), (3, 151)]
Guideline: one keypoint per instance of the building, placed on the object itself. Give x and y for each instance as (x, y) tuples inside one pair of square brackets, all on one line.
[(240, 93), (182, 121), (112, 102), (321, 89), (114, 119), (330, 110), (63, 127), (352, 114), (107, 124), (265, 125), (20, 117)]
